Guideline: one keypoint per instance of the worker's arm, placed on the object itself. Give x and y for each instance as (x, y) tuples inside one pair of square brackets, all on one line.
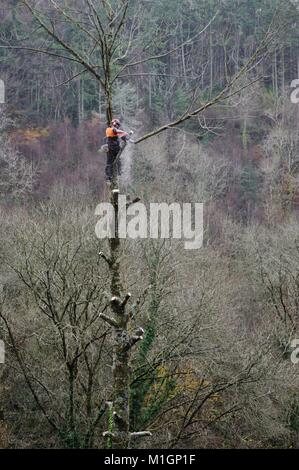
[(113, 132), (121, 133)]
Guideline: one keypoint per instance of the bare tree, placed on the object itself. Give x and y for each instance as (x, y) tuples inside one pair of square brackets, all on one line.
[(60, 344), (17, 174)]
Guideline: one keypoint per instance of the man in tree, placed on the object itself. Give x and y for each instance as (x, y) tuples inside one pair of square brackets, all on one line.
[(116, 140)]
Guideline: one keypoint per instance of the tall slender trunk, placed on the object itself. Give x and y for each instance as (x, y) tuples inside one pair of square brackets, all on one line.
[(119, 413)]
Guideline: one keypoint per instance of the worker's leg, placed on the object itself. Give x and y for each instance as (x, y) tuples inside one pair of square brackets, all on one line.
[(119, 164), (109, 165)]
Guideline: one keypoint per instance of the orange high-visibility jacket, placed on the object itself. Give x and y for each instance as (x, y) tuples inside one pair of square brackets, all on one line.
[(113, 132)]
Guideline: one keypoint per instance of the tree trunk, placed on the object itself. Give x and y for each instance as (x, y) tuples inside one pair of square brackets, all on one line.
[(119, 414)]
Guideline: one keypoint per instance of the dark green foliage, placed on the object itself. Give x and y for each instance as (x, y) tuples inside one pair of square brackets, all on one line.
[(152, 384)]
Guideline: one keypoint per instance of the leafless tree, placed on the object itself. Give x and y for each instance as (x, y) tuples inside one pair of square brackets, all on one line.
[(60, 344), (17, 175)]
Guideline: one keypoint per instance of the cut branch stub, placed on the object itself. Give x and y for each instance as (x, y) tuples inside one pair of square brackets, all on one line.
[(108, 434), (141, 434), (138, 336), (130, 203), (115, 193), (115, 302), (118, 418), (111, 321), (127, 297)]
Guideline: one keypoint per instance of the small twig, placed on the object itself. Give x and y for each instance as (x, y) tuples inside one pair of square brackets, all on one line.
[(108, 260)]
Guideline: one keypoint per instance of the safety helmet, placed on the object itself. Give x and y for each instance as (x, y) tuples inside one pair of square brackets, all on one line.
[(115, 122)]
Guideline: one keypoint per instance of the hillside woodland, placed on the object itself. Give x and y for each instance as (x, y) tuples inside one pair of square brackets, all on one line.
[(214, 368)]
